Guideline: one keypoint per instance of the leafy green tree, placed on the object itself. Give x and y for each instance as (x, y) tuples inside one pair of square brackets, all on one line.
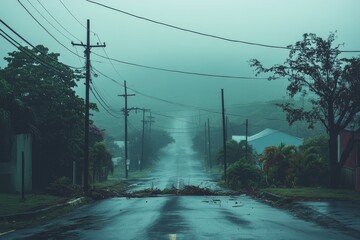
[(101, 162), (309, 166), (236, 151), (232, 152), (314, 69), (47, 88), (113, 148)]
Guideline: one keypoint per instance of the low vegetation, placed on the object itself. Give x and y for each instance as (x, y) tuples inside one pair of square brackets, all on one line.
[(12, 203), (316, 193), (279, 166)]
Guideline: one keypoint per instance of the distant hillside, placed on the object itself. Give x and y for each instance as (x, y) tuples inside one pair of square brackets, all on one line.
[(263, 115)]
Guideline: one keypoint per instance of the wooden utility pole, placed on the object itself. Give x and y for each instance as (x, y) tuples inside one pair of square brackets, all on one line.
[(150, 121), (87, 103), (209, 144), (227, 127), (205, 143), (126, 114), (224, 132), (143, 138), (246, 140)]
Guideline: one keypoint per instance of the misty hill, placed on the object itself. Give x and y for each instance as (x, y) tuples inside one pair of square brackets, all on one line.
[(263, 115)]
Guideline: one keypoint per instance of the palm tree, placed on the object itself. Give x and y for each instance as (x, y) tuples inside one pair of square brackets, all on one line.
[(277, 158)]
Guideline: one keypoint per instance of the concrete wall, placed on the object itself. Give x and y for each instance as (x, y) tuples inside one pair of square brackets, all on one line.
[(10, 172)]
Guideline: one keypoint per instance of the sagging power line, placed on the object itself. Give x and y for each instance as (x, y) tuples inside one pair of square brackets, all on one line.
[(198, 32), (47, 31), (180, 71)]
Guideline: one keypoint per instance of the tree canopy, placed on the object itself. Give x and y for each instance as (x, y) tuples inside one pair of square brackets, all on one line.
[(316, 71), (37, 81)]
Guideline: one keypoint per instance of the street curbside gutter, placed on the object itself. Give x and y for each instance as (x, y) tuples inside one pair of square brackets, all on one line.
[(31, 214), (306, 213)]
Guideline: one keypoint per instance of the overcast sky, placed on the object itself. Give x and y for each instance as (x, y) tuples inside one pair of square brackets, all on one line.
[(280, 22)]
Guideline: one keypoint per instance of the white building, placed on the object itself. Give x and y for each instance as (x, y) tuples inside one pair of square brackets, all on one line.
[(269, 137), (117, 160)]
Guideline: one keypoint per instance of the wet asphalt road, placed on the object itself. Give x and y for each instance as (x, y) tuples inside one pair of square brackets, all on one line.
[(172, 217), (179, 165), (178, 217)]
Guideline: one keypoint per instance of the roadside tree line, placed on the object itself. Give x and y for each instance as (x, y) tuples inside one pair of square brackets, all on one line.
[(330, 83), (37, 96)]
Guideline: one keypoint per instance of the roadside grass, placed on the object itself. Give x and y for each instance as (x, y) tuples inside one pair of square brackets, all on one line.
[(119, 172), (316, 193), (12, 203), (140, 174), (116, 181)]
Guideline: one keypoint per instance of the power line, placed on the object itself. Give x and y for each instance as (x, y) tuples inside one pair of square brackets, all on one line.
[(176, 103), (48, 21), (47, 30), (34, 47), (197, 32), (103, 100), (133, 127), (107, 56), (58, 21), (164, 100), (180, 71), (72, 14), (102, 104), (185, 29), (23, 49)]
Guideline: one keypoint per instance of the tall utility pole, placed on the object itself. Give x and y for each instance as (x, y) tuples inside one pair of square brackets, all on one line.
[(143, 138), (246, 140), (87, 102), (126, 114), (206, 145), (227, 127), (150, 121), (209, 144), (224, 132)]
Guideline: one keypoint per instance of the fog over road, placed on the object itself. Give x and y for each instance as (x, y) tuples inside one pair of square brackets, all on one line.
[(179, 165), (178, 217)]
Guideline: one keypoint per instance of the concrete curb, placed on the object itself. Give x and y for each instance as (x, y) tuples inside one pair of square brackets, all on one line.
[(306, 213), (271, 196), (29, 214)]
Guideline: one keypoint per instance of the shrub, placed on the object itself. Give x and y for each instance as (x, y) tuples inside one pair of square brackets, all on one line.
[(62, 186), (243, 175)]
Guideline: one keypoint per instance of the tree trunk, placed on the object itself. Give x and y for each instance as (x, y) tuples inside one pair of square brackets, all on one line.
[(334, 168)]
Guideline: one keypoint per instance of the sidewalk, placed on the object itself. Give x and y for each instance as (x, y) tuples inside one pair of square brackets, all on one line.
[(345, 212), (335, 214)]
